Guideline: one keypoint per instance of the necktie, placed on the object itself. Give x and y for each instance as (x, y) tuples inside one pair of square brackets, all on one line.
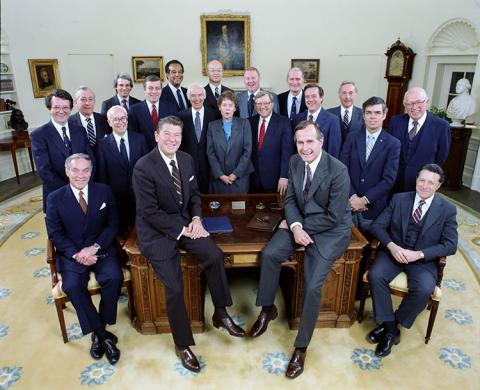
[(261, 136), (345, 121), (154, 116), (180, 100), (308, 182), (198, 126), (176, 181), (293, 110), (310, 118), (91, 132), (216, 93), (124, 104), (83, 203), (413, 132), (66, 140), (250, 105), (417, 214), (123, 152), (370, 144)]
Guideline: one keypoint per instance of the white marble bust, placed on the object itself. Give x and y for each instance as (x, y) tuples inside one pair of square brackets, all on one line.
[(463, 105)]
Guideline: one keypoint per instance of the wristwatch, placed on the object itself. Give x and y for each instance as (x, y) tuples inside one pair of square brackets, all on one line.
[(422, 256), (97, 247), (196, 218)]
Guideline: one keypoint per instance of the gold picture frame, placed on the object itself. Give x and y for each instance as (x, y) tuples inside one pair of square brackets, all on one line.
[(45, 76), (226, 38), (309, 67), (147, 65)]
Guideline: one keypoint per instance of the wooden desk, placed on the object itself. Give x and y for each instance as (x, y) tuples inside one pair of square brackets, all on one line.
[(13, 144), (242, 248)]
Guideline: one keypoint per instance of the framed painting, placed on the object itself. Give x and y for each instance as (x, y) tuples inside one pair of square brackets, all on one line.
[(226, 38), (45, 76), (145, 66), (309, 67)]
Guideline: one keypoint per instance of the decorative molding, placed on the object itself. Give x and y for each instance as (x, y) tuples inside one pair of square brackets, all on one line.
[(459, 34)]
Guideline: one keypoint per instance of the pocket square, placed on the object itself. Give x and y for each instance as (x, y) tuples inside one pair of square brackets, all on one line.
[(191, 178), (103, 206)]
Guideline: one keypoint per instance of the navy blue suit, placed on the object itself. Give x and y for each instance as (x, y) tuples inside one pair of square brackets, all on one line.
[(271, 163), (437, 237), (102, 128), (140, 120), (70, 230), (50, 153), (283, 103), (113, 171), (356, 120), (330, 126), (113, 101), (430, 145), (375, 177), (211, 101), (167, 96)]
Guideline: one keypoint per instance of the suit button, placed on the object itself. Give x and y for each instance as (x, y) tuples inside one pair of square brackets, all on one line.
[(362, 180)]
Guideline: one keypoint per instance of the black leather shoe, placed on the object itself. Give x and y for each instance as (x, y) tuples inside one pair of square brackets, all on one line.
[(112, 337), (296, 364), (228, 324), (96, 350), (385, 345), (111, 350), (376, 334), (261, 324), (188, 359)]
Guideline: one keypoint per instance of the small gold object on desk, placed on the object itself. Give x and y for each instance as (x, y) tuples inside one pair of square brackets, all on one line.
[(260, 206)]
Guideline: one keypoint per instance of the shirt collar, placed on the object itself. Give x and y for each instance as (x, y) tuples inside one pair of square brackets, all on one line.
[(374, 135), (421, 121), (76, 192), (168, 159), (314, 164), (428, 202), (118, 138), (201, 111)]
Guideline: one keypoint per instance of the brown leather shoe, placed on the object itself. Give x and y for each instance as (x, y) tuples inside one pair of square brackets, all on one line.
[(295, 366), (260, 325), (188, 358), (228, 324)]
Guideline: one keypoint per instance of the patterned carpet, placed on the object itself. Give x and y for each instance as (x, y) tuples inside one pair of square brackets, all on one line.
[(33, 355)]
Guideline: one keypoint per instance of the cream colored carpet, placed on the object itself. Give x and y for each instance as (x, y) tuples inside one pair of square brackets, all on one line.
[(33, 356)]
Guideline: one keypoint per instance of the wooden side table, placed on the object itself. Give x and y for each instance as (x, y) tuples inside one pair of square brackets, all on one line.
[(19, 140)]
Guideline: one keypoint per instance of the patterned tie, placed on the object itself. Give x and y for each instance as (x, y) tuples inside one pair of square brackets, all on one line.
[(154, 116), (124, 104), (176, 181), (293, 110), (250, 105), (198, 126), (66, 140), (417, 214), (123, 152), (308, 182), (91, 132), (413, 132), (83, 203), (345, 121), (180, 100), (310, 118), (261, 136), (370, 145), (217, 95)]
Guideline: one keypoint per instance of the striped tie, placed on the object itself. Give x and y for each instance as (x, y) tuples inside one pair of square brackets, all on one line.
[(417, 214), (345, 120), (176, 181), (66, 140), (91, 132), (412, 133), (308, 182), (370, 145), (83, 203)]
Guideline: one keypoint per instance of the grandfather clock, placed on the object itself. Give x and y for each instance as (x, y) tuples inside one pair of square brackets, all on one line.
[(398, 74)]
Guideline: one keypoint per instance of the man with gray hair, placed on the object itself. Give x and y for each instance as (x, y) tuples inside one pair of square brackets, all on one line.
[(292, 102), (95, 124), (425, 138), (123, 84), (350, 116), (194, 140)]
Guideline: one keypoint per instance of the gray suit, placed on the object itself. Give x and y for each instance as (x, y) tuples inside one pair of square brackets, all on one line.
[(326, 217), (243, 104), (230, 157)]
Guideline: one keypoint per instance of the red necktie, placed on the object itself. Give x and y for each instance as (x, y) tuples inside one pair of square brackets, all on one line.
[(261, 137), (154, 116)]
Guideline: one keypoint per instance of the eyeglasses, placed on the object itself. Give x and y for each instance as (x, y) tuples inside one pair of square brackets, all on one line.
[(154, 89), (89, 100), (418, 103), (123, 119), (61, 108), (263, 103)]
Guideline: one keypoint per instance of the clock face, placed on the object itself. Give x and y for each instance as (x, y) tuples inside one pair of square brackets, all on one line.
[(396, 64)]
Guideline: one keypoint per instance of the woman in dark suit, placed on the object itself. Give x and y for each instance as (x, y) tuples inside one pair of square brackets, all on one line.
[(229, 147)]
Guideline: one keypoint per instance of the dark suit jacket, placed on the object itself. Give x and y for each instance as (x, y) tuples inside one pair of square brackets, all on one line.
[(438, 236), (102, 128), (196, 149), (375, 177), (232, 157), (113, 101), (330, 126), (160, 218), (71, 230), (140, 120), (49, 153), (167, 96), (210, 100), (242, 98), (357, 122), (283, 103), (432, 147), (325, 216), (271, 163)]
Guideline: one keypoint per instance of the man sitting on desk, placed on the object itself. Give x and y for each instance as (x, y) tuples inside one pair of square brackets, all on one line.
[(317, 217), (168, 218)]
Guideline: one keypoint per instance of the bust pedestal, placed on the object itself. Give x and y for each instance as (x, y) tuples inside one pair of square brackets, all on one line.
[(455, 163)]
